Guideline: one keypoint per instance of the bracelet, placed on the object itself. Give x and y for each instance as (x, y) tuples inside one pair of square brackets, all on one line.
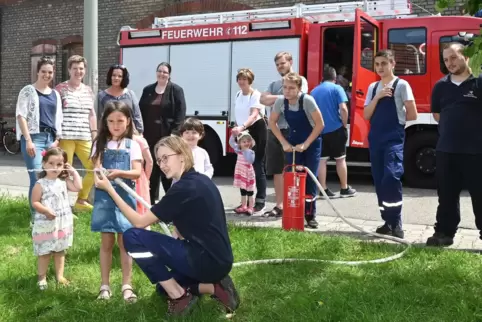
[(93, 131)]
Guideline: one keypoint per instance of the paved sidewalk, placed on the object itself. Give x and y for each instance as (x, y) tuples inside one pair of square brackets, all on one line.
[(466, 239)]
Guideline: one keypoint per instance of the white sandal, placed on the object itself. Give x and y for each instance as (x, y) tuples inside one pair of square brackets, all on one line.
[(133, 297), (104, 293), (42, 285)]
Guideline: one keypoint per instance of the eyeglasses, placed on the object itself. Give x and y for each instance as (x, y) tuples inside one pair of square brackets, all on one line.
[(162, 72), (164, 158)]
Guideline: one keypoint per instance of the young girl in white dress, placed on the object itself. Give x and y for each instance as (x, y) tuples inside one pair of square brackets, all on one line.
[(52, 231)]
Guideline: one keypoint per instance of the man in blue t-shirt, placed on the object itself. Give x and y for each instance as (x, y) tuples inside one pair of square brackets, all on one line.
[(331, 99)]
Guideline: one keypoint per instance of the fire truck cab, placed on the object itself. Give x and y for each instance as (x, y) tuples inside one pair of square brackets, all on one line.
[(206, 50)]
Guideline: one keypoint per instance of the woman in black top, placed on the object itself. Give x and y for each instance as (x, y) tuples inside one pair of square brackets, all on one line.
[(201, 259), (163, 109)]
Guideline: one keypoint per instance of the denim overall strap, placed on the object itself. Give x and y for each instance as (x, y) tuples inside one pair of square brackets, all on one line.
[(386, 140), (384, 124), (300, 129), (299, 125), (106, 216)]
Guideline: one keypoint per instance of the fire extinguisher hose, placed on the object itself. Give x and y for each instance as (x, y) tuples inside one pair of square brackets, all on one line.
[(339, 214), (167, 232)]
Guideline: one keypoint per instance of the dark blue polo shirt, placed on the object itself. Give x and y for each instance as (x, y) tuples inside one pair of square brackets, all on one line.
[(460, 108), (194, 205)]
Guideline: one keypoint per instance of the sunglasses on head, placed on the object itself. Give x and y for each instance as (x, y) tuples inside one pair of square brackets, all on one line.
[(47, 60), (118, 66)]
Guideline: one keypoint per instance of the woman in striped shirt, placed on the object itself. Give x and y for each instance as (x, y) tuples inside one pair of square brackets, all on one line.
[(79, 126)]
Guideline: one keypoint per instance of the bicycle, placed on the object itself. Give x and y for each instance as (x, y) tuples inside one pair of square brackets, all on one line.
[(9, 138)]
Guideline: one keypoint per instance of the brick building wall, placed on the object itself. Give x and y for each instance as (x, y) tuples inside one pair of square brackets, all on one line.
[(58, 24)]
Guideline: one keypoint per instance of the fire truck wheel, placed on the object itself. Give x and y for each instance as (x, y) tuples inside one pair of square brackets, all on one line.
[(419, 159)]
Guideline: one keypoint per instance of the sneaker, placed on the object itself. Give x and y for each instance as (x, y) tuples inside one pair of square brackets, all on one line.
[(348, 192), (312, 223), (384, 230), (226, 294), (440, 239), (258, 207), (249, 211), (329, 193), (182, 305)]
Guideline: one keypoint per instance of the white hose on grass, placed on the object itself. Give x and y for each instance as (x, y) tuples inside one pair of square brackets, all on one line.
[(352, 263), (289, 260)]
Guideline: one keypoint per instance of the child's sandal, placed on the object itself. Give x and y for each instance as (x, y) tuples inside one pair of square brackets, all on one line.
[(104, 293), (132, 298), (42, 285), (63, 281), (241, 210)]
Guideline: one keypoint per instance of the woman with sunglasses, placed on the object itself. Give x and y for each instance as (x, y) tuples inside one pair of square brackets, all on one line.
[(79, 128), (118, 80), (163, 109), (39, 119), (249, 115)]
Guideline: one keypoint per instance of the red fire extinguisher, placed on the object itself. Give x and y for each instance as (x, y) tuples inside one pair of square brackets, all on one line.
[(294, 197)]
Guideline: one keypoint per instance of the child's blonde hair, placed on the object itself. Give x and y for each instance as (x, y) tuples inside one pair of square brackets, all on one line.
[(245, 135)]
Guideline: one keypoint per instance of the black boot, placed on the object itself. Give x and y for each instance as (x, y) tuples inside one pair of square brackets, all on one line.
[(440, 239)]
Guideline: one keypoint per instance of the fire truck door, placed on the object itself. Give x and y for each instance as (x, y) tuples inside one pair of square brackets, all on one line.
[(365, 46)]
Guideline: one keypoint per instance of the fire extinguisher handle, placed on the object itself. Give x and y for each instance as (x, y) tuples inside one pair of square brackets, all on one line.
[(293, 162)]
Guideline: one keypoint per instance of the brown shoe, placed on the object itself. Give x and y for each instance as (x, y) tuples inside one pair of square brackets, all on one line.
[(182, 305), (226, 294)]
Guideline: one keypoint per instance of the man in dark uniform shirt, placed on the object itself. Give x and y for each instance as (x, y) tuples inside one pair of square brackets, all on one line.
[(457, 106)]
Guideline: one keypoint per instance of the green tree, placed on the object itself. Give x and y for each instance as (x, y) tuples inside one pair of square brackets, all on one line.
[(473, 42)]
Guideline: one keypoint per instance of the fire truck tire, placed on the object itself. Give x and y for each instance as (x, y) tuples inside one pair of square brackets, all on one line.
[(212, 145), (419, 159)]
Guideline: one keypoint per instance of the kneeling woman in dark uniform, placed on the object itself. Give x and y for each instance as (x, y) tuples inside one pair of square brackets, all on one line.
[(201, 261), (305, 125)]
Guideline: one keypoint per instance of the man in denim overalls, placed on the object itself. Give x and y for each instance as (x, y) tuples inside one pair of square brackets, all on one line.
[(305, 125), (389, 104)]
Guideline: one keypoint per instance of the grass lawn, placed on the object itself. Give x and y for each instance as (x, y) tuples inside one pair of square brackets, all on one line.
[(426, 285)]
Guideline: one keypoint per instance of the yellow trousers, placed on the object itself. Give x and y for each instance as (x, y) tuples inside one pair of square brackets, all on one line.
[(82, 150)]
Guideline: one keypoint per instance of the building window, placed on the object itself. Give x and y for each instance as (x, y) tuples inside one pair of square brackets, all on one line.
[(44, 49), (68, 51), (408, 44)]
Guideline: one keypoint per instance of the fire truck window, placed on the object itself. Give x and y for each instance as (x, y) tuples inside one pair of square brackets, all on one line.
[(338, 49), (369, 44), (409, 47)]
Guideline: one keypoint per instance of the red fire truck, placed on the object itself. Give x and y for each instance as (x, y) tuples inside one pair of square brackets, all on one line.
[(206, 50)]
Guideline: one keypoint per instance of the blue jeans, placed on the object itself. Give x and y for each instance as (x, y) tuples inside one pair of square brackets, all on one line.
[(42, 141)]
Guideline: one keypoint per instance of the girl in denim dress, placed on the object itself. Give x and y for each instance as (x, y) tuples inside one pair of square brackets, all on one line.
[(116, 151)]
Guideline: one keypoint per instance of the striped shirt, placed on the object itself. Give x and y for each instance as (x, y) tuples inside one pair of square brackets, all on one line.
[(77, 107)]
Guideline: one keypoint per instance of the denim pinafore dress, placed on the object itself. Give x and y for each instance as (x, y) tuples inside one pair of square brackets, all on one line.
[(106, 216)]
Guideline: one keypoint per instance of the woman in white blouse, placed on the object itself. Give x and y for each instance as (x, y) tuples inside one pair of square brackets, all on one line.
[(249, 115), (39, 119)]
